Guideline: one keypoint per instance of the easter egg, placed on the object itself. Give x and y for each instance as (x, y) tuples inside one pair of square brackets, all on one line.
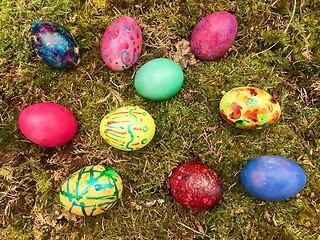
[(249, 108), (54, 44), (159, 79), (47, 124), (213, 35), (195, 185), (128, 128), (91, 190), (272, 178), (121, 43)]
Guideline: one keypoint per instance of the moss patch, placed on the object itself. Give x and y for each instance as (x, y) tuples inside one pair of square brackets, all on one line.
[(277, 49)]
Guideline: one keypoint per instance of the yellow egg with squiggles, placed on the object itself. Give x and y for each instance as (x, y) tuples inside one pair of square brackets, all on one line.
[(128, 128), (91, 190)]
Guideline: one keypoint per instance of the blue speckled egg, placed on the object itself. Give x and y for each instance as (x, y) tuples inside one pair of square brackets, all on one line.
[(54, 44), (272, 178)]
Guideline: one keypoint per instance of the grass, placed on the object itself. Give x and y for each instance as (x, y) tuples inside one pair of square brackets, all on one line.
[(277, 49)]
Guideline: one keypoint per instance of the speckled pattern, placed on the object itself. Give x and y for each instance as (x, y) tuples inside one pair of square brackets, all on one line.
[(249, 108), (213, 35), (195, 185), (121, 43), (91, 190), (54, 44)]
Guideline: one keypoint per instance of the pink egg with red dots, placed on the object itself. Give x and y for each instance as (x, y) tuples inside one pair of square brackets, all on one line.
[(121, 43)]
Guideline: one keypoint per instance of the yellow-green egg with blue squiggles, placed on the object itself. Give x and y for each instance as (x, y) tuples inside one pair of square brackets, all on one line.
[(91, 190), (128, 128)]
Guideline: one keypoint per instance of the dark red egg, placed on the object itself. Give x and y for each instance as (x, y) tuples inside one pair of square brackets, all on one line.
[(195, 185)]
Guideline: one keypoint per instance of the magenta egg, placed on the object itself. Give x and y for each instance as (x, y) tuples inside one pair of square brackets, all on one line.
[(47, 124), (195, 185), (121, 43), (213, 35)]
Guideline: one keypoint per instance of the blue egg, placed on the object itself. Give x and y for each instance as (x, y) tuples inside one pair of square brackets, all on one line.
[(54, 44), (272, 178)]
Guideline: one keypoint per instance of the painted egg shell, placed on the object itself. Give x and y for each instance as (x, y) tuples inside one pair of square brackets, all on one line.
[(47, 124), (213, 35), (159, 79), (272, 178), (195, 185), (54, 44), (128, 128), (91, 190), (121, 43), (249, 108)]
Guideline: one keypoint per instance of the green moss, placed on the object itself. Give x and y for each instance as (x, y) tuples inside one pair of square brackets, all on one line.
[(12, 233), (283, 62)]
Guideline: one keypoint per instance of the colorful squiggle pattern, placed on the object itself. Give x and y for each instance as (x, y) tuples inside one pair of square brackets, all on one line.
[(128, 128), (54, 44), (121, 43), (91, 190), (249, 108)]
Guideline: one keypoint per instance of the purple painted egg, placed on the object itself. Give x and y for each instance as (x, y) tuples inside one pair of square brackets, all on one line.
[(121, 43), (213, 35)]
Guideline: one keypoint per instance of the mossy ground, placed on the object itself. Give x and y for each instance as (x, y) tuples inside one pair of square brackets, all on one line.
[(277, 49)]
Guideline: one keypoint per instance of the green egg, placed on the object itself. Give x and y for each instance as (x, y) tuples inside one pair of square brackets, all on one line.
[(159, 79)]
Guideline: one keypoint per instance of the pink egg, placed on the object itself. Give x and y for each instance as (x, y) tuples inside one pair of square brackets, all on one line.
[(213, 35), (48, 124), (121, 43)]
